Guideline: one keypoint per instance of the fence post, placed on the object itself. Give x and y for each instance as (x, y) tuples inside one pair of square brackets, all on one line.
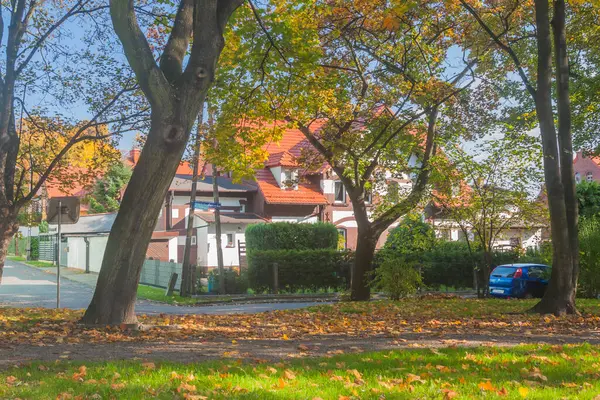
[(157, 272), (275, 278)]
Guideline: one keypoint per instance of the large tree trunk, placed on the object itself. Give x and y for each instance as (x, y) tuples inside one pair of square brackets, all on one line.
[(559, 298), (8, 228), (363, 264), (114, 298)]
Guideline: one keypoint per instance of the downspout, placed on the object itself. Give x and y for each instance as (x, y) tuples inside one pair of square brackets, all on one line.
[(87, 254)]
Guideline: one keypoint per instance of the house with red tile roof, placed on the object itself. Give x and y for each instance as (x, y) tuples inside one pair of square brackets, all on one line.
[(586, 168)]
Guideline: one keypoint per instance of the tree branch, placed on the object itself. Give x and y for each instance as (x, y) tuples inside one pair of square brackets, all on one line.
[(504, 47), (171, 61), (151, 79)]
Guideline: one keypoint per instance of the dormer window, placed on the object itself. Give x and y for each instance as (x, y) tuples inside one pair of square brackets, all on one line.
[(289, 178)]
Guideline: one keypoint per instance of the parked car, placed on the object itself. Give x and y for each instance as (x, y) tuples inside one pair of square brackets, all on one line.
[(519, 280)]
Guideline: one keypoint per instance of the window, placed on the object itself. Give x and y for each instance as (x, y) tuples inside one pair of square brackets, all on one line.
[(193, 240), (175, 213), (369, 197), (230, 240), (339, 192), (342, 234), (577, 177), (588, 176)]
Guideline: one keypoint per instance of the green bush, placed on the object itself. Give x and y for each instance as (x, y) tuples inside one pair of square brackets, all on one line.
[(288, 236), (298, 269), (589, 275), (35, 248), (396, 275), (236, 282), (450, 264)]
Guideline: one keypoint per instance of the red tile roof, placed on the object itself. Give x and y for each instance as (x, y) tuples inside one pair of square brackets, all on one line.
[(306, 194), (282, 159)]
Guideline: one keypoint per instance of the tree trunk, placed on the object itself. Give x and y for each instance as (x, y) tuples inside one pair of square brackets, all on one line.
[(8, 228), (219, 242), (114, 298), (187, 283), (559, 298), (363, 264)]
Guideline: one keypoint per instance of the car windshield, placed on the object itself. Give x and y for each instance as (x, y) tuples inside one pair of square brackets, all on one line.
[(504, 272)]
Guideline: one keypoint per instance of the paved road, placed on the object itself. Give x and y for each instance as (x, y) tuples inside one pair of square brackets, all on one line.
[(24, 286)]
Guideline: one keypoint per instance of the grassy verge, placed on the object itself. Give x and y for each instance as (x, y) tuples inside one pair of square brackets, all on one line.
[(33, 263), (158, 294), (533, 372)]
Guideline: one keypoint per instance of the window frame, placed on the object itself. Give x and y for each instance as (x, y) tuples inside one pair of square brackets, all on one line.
[(230, 245), (343, 192), (342, 231)]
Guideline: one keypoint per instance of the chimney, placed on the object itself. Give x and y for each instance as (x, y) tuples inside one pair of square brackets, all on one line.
[(134, 155)]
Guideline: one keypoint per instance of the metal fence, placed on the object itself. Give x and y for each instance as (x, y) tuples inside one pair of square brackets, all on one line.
[(47, 251), (157, 273)]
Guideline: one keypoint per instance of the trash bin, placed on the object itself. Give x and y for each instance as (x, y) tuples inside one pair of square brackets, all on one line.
[(211, 283)]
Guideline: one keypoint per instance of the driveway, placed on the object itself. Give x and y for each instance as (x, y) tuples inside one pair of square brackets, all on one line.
[(25, 286)]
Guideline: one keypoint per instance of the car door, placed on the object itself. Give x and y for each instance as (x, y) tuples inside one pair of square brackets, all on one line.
[(536, 280)]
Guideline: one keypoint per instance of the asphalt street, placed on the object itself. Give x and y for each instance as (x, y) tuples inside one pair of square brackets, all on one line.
[(25, 286)]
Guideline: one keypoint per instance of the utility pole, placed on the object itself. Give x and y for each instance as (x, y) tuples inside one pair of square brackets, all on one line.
[(187, 282), (215, 175)]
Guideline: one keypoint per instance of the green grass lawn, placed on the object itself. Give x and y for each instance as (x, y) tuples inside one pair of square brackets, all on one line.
[(158, 294), (532, 372), (33, 263)]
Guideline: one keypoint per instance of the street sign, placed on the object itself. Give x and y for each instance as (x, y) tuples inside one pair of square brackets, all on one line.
[(61, 210), (205, 205), (69, 210)]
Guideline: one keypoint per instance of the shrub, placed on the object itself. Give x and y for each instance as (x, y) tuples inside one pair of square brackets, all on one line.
[(288, 236), (298, 269), (450, 264), (236, 282), (396, 275), (589, 275), (411, 236), (35, 248)]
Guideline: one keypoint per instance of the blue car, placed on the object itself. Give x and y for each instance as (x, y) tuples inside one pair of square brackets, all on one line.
[(519, 280)]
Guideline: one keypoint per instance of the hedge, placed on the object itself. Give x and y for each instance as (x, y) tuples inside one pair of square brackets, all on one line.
[(299, 269), (289, 236)]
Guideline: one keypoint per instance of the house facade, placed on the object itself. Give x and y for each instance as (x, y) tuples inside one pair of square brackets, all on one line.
[(586, 168)]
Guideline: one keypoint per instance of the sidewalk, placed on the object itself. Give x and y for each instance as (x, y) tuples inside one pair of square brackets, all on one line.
[(74, 274)]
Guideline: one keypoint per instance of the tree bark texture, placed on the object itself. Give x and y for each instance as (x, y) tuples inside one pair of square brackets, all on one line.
[(363, 264), (175, 97), (559, 298), (8, 228), (219, 241), (115, 294)]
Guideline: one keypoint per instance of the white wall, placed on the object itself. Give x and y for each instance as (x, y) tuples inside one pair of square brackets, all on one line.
[(276, 171), (173, 249), (202, 241), (230, 254), (97, 248), (77, 249)]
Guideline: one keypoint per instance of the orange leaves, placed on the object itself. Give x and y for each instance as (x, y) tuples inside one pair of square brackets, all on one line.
[(288, 374), (11, 380), (486, 386), (449, 394), (391, 23), (79, 376)]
